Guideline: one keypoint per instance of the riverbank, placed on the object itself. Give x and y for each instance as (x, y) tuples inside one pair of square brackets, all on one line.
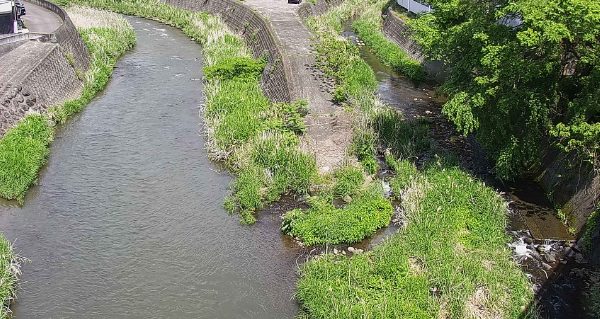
[(25, 147), (256, 139), (452, 221)]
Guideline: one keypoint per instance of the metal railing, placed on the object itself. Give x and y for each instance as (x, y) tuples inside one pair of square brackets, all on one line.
[(415, 6)]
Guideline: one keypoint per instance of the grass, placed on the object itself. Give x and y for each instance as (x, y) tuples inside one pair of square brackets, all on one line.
[(258, 140), (323, 223), (25, 147), (451, 261), (9, 270), (368, 27)]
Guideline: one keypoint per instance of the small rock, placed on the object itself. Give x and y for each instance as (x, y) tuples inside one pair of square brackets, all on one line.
[(549, 258), (580, 259), (358, 251), (545, 266), (528, 240), (351, 249), (541, 248), (347, 199), (335, 251)]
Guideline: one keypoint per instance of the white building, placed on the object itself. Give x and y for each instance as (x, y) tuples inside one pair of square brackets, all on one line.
[(415, 7)]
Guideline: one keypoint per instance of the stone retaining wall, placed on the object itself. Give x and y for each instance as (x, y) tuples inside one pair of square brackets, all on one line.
[(307, 9), (572, 185), (277, 77), (67, 36), (38, 73), (397, 30)]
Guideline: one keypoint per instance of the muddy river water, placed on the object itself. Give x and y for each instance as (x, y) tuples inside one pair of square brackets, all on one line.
[(127, 220)]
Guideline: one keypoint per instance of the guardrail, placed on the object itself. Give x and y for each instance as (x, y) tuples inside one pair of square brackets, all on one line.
[(414, 6)]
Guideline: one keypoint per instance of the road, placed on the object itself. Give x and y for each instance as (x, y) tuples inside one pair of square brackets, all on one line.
[(40, 20)]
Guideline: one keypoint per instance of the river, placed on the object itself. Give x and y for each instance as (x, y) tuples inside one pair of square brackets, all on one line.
[(127, 220)]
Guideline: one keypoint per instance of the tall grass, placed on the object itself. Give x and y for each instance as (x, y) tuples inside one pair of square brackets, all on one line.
[(323, 223), (368, 26), (450, 262), (255, 138), (9, 271), (24, 148)]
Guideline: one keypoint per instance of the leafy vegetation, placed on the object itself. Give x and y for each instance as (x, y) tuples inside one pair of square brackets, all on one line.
[(405, 173), (8, 277), (24, 148), (348, 181), (521, 72), (257, 139), (368, 26), (323, 223), (451, 261)]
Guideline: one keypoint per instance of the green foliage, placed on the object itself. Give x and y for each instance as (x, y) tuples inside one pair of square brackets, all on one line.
[(454, 242), (363, 146), (405, 173), (323, 223), (592, 226), (235, 68), (515, 86), (405, 139), (341, 60), (368, 27), (7, 277), (23, 151), (348, 181)]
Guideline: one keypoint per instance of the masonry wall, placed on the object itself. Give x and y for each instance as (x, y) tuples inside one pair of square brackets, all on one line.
[(39, 72), (276, 79)]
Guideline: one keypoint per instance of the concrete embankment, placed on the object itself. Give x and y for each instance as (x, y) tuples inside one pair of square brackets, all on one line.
[(40, 71)]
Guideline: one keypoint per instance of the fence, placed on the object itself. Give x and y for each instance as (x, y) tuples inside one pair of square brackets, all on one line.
[(414, 6)]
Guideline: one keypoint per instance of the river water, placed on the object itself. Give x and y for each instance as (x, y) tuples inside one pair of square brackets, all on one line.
[(127, 220)]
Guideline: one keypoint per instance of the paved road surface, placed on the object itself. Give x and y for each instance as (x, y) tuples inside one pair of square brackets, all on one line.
[(40, 20)]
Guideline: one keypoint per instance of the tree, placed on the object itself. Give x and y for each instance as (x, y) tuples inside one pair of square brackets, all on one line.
[(522, 73)]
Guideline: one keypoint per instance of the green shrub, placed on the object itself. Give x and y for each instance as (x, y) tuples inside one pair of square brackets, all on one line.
[(23, 151), (404, 138), (235, 68), (7, 277), (454, 242), (405, 173), (348, 181), (390, 54), (323, 223)]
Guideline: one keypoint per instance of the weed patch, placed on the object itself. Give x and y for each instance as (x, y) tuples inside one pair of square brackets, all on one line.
[(450, 209), (323, 223)]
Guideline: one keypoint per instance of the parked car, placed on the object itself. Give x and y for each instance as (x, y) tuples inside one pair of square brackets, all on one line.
[(295, 1)]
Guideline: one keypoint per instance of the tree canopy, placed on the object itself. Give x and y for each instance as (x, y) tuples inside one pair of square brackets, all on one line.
[(521, 74)]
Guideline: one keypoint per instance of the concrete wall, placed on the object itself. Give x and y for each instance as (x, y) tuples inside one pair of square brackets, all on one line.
[(397, 30), (572, 184), (276, 79), (37, 74), (307, 9)]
